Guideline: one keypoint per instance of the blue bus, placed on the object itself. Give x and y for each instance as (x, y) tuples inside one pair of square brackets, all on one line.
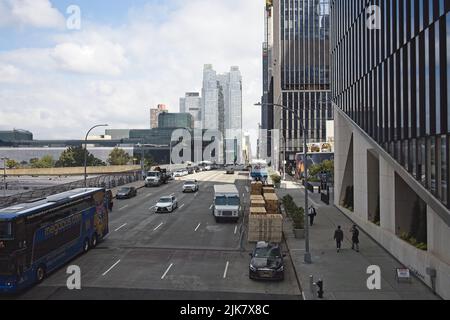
[(40, 236)]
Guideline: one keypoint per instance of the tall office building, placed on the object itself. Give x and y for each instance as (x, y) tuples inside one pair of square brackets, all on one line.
[(154, 114), (210, 99), (391, 70), (175, 120), (192, 103), (300, 67)]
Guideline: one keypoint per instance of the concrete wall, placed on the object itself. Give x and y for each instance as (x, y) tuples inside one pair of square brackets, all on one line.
[(373, 184), (70, 171), (438, 254)]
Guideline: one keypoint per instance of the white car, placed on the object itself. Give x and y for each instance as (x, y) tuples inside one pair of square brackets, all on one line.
[(190, 186), (166, 204)]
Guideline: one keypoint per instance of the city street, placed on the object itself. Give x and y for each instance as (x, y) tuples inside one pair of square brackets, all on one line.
[(181, 255)]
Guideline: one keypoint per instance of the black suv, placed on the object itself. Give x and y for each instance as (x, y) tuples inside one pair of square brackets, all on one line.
[(126, 193), (267, 262)]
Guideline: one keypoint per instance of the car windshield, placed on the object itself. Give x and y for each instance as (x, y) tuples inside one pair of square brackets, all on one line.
[(124, 190), (165, 200), (189, 182), (152, 174), (224, 201), (5, 230), (267, 252)]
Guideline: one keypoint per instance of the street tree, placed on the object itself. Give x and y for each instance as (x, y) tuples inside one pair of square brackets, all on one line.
[(118, 157), (12, 164), (74, 157)]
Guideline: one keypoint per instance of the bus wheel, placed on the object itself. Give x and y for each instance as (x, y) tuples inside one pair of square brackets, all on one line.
[(94, 240), (86, 245), (40, 273)]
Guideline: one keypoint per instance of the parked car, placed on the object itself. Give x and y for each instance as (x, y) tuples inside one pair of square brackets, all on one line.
[(126, 193), (230, 170), (190, 186), (190, 170), (166, 204), (180, 173), (267, 262)]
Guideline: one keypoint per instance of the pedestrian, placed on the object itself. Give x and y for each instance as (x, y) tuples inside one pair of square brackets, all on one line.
[(312, 214), (355, 238), (339, 237)]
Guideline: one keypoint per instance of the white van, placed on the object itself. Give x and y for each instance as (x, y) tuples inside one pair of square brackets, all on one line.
[(227, 204)]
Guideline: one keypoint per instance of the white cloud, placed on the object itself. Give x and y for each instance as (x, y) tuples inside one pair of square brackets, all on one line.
[(115, 74), (98, 57), (33, 13)]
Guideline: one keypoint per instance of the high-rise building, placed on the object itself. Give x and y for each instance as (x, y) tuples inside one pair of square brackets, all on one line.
[(192, 103), (210, 99), (391, 69), (175, 120), (154, 114), (300, 67)]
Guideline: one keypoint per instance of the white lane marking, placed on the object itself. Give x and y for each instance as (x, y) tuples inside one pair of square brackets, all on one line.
[(120, 227), (226, 270), (210, 207), (148, 195), (158, 226), (152, 208), (235, 230), (197, 227), (243, 195), (165, 273), (246, 189), (125, 206), (181, 206), (115, 264), (303, 296), (196, 194)]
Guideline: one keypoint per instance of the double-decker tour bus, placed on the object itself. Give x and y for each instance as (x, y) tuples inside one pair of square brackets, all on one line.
[(40, 236)]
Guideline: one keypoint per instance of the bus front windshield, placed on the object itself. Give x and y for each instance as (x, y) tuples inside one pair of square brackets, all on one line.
[(5, 230)]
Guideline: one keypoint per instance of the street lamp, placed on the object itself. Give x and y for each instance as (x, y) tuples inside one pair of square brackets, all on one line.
[(4, 176), (85, 150), (307, 256)]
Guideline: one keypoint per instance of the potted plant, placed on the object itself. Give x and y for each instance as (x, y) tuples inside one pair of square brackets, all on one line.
[(276, 180), (298, 218)]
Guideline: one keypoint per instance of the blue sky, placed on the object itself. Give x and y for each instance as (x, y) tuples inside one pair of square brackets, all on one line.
[(127, 57)]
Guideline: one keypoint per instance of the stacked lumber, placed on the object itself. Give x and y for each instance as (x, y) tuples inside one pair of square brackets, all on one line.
[(258, 204), (257, 211), (256, 197), (257, 188), (265, 228), (272, 205), (268, 190)]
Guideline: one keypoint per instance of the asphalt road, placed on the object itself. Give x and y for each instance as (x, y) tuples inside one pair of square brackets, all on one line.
[(182, 255)]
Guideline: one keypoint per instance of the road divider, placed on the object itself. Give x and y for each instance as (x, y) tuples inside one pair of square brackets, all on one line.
[(226, 270), (120, 227), (167, 271), (112, 267), (158, 226)]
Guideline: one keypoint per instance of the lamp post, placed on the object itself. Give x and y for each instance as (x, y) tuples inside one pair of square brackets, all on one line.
[(307, 255), (4, 176), (85, 150)]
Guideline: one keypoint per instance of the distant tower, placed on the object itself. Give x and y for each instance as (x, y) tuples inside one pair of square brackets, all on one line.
[(154, 114)]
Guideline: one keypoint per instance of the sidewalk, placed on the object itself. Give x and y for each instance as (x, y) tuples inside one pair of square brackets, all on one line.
[(344, 274)]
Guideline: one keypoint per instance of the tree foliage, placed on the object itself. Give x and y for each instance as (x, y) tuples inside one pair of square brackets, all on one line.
[(45, 162), (118, 157), (74, 157), (12, 164)]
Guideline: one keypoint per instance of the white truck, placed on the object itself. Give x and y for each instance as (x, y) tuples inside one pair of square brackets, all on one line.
[(227, 203)]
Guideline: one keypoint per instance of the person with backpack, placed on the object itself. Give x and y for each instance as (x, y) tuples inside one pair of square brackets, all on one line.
[(339, 237), (355, 238), (312, 213)]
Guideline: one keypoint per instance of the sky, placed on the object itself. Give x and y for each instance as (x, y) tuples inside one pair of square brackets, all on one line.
[(59, 75)]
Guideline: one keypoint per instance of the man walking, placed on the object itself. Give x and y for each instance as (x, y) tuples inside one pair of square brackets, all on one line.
[(339, 237), (312, 214), (355, 238)]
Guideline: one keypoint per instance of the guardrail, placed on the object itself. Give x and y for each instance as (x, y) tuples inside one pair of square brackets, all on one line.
[(105, 181)]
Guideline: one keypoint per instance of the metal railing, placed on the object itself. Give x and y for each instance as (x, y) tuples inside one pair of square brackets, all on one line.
[(105, 181)]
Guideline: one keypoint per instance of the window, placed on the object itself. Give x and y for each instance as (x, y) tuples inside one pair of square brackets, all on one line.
[(444, 170), (5, 230)]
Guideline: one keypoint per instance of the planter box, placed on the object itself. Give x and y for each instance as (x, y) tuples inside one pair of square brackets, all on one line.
[(299, 233)]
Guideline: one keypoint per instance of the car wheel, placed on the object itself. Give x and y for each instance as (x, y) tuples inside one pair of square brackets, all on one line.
[(86, 245), (40, 273), (94, 240)]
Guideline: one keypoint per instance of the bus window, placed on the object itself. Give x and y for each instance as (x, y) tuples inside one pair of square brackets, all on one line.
[(5, 230)]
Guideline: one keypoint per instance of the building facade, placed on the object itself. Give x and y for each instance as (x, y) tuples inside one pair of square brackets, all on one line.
[(210, 99), (192, 103), (154, 114), (15, 135), (300, 69), (175, 120), (391, 69)]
